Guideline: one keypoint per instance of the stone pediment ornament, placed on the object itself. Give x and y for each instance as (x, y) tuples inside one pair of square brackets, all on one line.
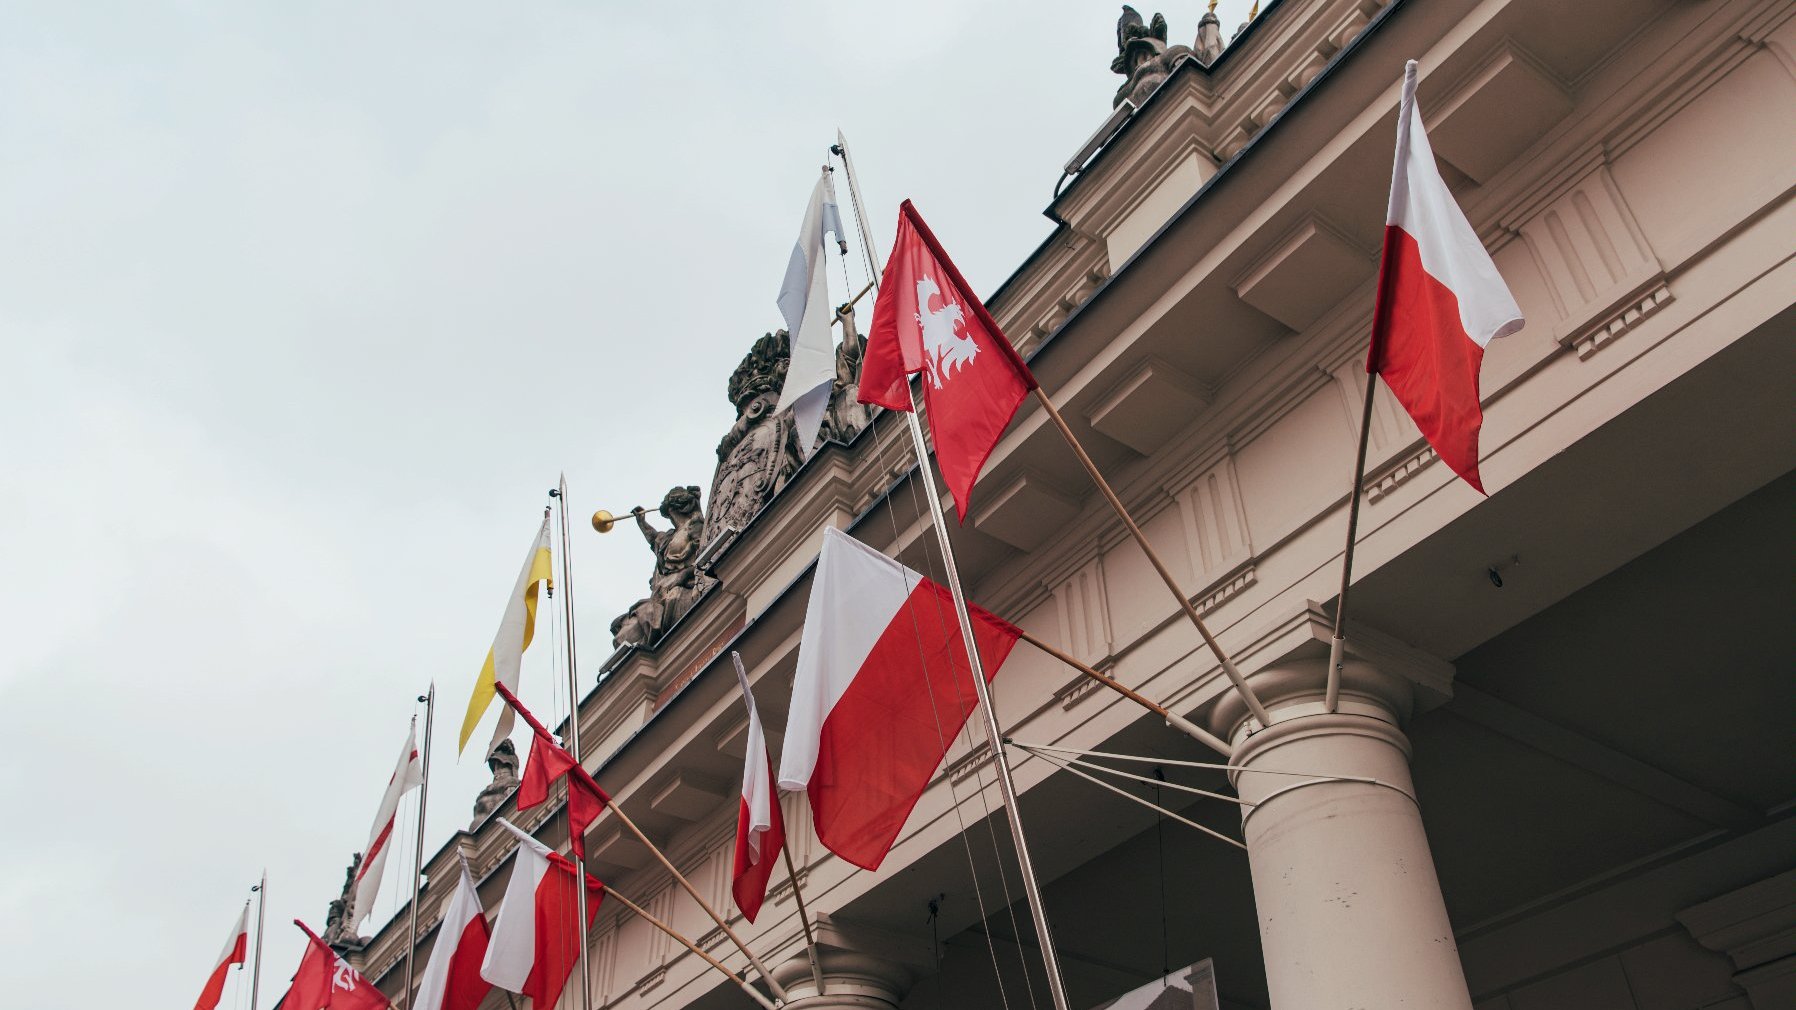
[(502, 760), (676, 583), (760, 452), (339, 922), (1142, 56)]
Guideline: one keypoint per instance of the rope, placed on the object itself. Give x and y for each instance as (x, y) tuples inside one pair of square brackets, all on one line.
[(1131, 797)]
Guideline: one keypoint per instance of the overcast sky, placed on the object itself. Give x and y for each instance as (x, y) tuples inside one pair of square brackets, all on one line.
[(302, 309)]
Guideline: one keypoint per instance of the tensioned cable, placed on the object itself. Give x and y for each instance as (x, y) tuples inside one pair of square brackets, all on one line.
[(1131, 797), (1197, 764), (1156, 783)]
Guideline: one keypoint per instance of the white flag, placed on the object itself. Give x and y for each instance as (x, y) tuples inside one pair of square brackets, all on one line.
[(804, 302)]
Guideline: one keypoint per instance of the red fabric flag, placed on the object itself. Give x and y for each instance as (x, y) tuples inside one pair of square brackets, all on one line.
[(928, 320), (326, 980), (883, 686), (760, 830), (548, 762), (1440, 300), (234, 951), (535, 943)]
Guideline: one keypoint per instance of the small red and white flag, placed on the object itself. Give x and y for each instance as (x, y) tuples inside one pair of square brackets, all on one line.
[(236, 948), (1441, 300), (407, 776), (325, 980), (928, 320), (452, 978), (536, 942), (883, 686), (548, 762), (760, 830)]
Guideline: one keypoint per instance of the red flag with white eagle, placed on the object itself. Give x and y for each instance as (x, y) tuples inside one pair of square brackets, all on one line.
[(536, 942), (883, 686), (452, 978), (928, 320), (760, 830), (1441, 300), (324, 980), (407, 776), (548, 762), (234, 951)]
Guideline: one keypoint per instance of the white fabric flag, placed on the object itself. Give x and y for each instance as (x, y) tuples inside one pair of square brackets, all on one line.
[(407, 776), (804, 302)]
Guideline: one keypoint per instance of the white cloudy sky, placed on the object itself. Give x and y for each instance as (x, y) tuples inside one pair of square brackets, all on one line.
[(304, 306)]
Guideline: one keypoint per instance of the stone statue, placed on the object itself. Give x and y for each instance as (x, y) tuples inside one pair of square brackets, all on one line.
[(760, 452), (846, 417), (502, 760), (676, 584), (1142, 56), (339, 922)]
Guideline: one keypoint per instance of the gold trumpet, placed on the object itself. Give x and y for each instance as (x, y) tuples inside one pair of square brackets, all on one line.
[(604, 522)]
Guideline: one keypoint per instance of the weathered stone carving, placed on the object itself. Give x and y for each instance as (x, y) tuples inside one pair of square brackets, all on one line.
[(845, 417), (1142, 56), (502, 760), (760, 452), (676, 583), (339, 922)]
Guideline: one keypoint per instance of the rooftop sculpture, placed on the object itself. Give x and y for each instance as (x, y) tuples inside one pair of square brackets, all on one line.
[(1143, 56), (676, 583)]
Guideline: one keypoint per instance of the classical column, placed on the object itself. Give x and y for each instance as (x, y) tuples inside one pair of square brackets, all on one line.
[(1350, 908), (863, 967)]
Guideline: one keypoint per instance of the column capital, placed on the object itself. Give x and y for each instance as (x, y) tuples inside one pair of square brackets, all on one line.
[(863, 966), (1382, 677)]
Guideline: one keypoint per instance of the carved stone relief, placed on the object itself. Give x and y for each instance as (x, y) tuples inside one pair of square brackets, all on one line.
[(759, 453)]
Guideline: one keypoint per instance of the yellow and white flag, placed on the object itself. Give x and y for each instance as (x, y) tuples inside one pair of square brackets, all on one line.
[(515, 632)]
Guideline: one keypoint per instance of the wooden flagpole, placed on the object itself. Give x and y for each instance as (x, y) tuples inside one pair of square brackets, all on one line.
[(1172, 718), (429, 699), (1332, 697), (804, 918), (689, 945), (1153, 557), (617, 811), (573, 738), (1006, 786)]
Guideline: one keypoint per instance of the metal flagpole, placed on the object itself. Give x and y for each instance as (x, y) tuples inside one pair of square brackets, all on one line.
[(255, 974), (1331, 699), (429, 698), (573, 737), (1006, 787)]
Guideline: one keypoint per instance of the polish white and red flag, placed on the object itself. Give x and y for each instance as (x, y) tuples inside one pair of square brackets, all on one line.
[(325, 981), (536, 940), (1441, 300), (928, 320), (548, 762), (883, 686), (760, 830), (452, 978), (407, 776), (236, 948)]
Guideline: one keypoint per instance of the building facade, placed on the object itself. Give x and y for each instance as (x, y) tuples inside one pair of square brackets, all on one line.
[(1569, 702)]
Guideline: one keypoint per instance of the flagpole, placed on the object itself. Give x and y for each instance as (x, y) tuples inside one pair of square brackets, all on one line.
[(689, 945), (1006, 787), (255, 975), (1332, 697), (1173, 719), (1153, 557), (429, 699), (804, 917), (573, 738)]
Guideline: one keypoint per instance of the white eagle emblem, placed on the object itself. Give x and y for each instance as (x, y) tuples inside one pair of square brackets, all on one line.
[(344, 977), (944, 349)]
